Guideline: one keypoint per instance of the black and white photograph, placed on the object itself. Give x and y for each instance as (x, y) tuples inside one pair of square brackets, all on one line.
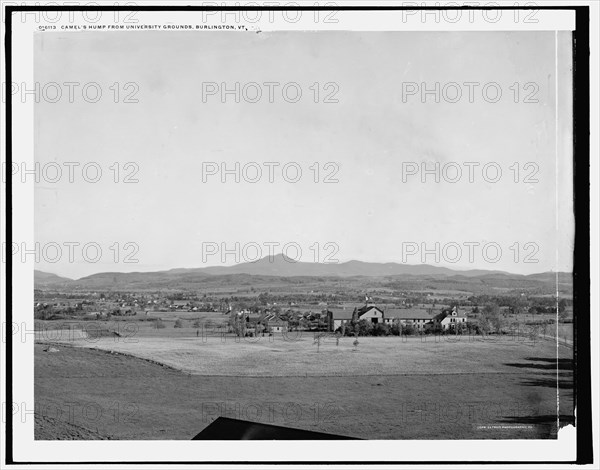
[(299, 223)]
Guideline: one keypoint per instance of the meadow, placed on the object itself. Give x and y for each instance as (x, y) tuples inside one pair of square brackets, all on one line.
[(298, 354), (169, 384)]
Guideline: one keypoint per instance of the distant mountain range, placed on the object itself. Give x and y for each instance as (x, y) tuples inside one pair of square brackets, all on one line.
[(277, 267), (42, 278)]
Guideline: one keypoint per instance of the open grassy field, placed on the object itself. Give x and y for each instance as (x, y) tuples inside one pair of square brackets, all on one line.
[(169, 387), (564, 331), (297, 356)]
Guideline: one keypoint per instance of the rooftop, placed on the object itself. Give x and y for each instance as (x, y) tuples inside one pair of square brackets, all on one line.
[(407, 314)]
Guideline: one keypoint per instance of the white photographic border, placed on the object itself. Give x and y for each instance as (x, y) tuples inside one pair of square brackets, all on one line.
[(26, 449)]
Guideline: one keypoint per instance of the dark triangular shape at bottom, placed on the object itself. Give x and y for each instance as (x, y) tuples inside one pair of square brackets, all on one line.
[(227, 429)]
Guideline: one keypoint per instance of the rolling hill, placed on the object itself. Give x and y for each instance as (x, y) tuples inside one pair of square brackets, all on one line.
[(281, 271)]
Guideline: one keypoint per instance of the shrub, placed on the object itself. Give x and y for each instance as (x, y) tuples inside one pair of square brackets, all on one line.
[(364, 328), (381, 329), (348, 330), (159, 323), (473, 328), (178, 323), (408, 330)]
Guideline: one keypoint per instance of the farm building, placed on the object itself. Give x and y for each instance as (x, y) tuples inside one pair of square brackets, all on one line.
[(416, 317), (277, 326), (336, 317), (266, 322), (273, 322), (419, 318), (448, 319)]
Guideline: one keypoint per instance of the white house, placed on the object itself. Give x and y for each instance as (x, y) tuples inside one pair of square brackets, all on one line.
[(449, 319)]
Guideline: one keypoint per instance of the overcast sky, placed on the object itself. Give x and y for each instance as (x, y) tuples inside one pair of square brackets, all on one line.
[(370, 133)]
